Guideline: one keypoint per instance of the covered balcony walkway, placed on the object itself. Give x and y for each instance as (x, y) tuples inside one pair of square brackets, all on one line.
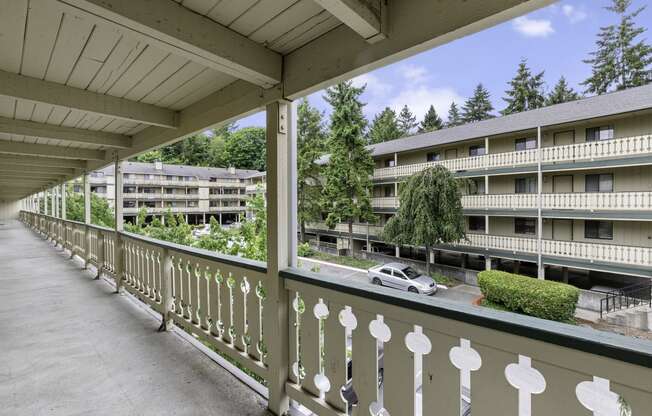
[(70, 345)]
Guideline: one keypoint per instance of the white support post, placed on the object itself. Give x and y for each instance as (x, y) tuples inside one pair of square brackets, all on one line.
[(280, 232), (541, 270), (63, 201), (119, 224), (87, 219)]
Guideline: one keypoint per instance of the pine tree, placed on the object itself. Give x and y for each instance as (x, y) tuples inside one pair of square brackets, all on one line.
[(620, 61), (431, 121), (454, 117), (525, 92), (561, 93), (384, 127), (478, 107), (406, 121), (347, 183), (430, 211), (311, 140)]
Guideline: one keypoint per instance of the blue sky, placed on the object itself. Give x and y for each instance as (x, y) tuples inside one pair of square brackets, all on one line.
[(554, 39)]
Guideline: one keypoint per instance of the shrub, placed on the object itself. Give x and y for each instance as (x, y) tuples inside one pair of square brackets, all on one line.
[(304, 250), (541, 298)]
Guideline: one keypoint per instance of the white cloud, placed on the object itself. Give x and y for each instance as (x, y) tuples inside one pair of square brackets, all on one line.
[(414, 73), (533, 27), (420, 97), (375, 86), (573, 14)]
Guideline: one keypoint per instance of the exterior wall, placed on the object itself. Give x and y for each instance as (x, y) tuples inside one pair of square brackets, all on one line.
[(9, 210)]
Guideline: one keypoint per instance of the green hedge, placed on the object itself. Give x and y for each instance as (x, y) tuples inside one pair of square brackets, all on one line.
[(541, 298)]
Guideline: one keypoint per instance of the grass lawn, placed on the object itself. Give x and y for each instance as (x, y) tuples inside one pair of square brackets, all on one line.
[(344, 260), (444, 280)]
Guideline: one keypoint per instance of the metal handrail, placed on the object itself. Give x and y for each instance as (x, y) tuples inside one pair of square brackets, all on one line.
[(626, 297)]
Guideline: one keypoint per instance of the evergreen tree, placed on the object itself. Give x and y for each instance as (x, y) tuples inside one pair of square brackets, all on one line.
[(620, 61), (478, 107), (311, 139), (431, 121), (561, 93), (407, 121), (525, 92), (384, 127), (347, 183), (454, 117), (429, 213)]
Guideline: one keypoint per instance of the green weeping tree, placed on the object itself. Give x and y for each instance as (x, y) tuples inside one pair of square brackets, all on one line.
[(430, 212), (347, 176)]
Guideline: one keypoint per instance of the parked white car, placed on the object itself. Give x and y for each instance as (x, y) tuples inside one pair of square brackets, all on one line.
[(403, 277), (205, 230)]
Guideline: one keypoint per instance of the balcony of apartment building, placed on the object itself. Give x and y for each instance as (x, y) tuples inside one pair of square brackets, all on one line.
[(82, 303)]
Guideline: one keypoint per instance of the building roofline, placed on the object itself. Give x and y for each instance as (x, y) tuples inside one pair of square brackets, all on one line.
[(610, 104)]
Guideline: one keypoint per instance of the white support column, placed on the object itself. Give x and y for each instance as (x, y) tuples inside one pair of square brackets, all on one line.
[(47, 202), (119, 223), (63, 200), (55, 203), (87, 219), (280, 176), (541, 270)]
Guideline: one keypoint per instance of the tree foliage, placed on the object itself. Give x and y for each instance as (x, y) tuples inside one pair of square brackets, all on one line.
[(431, 121), (621, 60), (407, 121), (101, 213), (384, 127), (561, 93), (525, 91), (478, 107), (245, 149), (311, 143), (347, 183), (454, 116), (430, 211)]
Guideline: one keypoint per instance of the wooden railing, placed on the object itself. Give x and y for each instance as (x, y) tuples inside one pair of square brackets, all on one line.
[(616, 201), (360, 229), (385, 351), (587, 151)]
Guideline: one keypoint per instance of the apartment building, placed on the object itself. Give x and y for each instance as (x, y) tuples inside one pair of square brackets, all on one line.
[(562, 192), (198, 193)]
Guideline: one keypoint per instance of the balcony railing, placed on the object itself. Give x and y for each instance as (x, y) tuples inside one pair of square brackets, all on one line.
[(227, 196), (162, 210), (616, 201), (396, 353), (159, 195), (588, 151), (360, 229), (593, 252), (385, 202)]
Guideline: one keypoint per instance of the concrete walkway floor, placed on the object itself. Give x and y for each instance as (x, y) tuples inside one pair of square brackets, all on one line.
[(70, 346)]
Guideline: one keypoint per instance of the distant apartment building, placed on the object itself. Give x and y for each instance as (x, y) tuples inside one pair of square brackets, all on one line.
[(198, 193), (563, 192)]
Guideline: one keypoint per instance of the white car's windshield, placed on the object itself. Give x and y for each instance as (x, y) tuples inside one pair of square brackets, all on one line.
[(411, 273)]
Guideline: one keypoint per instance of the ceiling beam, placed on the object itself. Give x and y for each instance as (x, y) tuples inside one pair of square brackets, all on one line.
[(20, 177), (415, 26), (45, 92), (71, 134), (173, 28), (30, 149), (5, 168), (18, 160), (364, 17)]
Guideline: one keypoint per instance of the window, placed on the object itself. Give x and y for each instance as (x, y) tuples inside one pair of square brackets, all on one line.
[(526, 144), (476, 187), (603, 230), (129, 204), (389, 191), (525, 226), (386, 271), (212, 180), (595, 134), (527, 185), (97, 174), (476, 150), (98, 189), (476, 224), (433, 156), (599, 183), (213, 204), (129, 189), (389, 163), (193, 204)]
